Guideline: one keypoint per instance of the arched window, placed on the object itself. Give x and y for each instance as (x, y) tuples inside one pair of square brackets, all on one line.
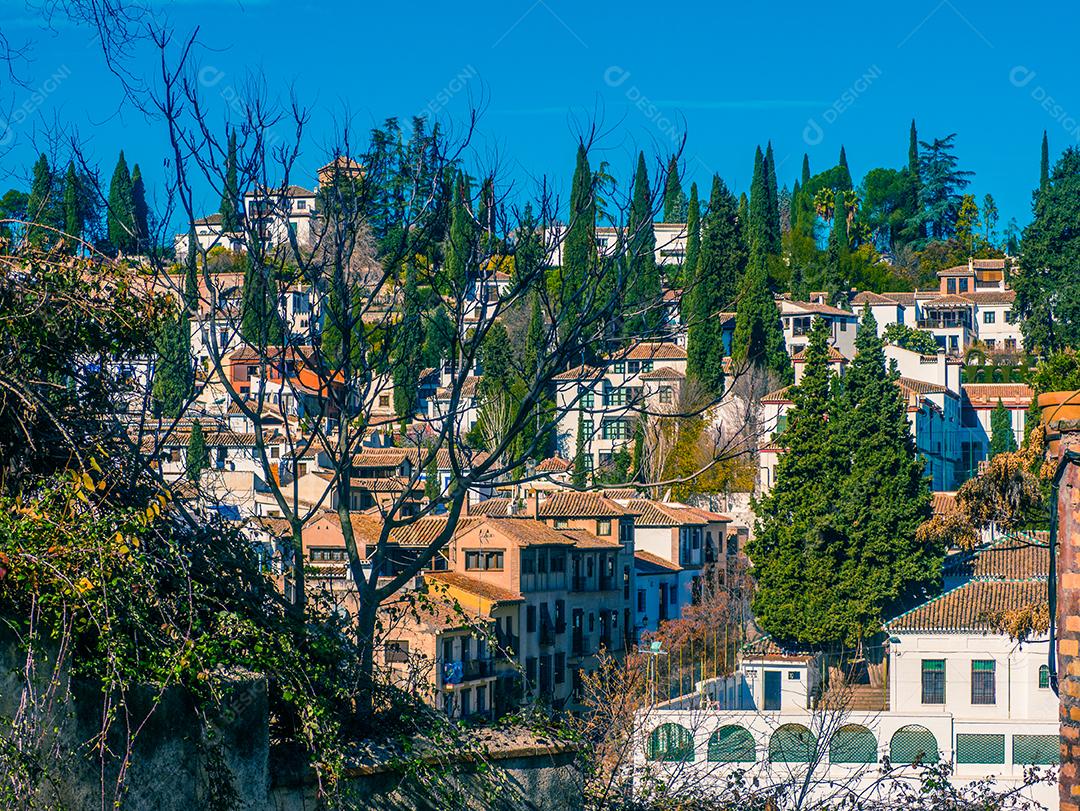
[(913, 744), (1044, 677), (732, 744), (671, 743), (792, 743), (853, 744)]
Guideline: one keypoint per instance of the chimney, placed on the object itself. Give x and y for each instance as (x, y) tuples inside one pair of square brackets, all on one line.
[(1065, 620)]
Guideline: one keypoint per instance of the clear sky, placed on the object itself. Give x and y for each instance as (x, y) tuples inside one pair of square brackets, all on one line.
[(808, 76)]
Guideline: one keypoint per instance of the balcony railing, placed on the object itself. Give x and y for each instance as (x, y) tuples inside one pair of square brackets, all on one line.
[(477, 668), (577, 583), (607, 582)]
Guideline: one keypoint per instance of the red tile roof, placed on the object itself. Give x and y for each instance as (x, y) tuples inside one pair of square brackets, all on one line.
[(986, 395), (1022, 556), (573, 504), (657, 514), (481, 588), (653, 350), (943, 503), (498, 507), (554, 465), (655, 561), (835, 356), (868, 297), (992, 296), (580, 373), (663, 373), (971, 606)]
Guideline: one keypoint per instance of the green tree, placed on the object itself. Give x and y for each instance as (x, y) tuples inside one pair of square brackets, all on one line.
[(74, 213), (798, 537), (990, 219), (580, 474), (140, 209), (915, 340), (1002, 438), (885, 496), (230, 191), (844, 173), (967, 222), (714, 287), (13, 206), (461, 245), (941, 183), (432, 486), (914, 227), (804, 178), (174, 375), (642, 314), (120, 223), (44, 206), (675, 205), (758, 230), (579, 244), (758, 339), (198, 457), (438, 338), (1044, 163), (408, 345), (772, 199), (693, 236), (1048, 282), (260, 322)]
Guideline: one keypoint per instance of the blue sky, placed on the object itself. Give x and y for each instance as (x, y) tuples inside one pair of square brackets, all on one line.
[(806, 76)]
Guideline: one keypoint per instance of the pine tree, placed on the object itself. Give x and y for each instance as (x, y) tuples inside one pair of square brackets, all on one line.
[(579, 245), (642, 313), (74, 215), (139, 207), (230, 192), (773, 200), (1002, 438), (796, 540), (1044, 163), (120, 218), (198, 458), (675, 209), (885, 496), (693, 237), (714, 287)]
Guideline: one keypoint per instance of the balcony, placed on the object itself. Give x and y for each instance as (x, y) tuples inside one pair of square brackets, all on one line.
[(477, 669), (577, 583), (607, 582)]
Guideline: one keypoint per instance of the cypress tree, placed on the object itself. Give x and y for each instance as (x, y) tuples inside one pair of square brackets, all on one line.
[(798, 538), (885, 496), (1002, 438), (461, 244), (260, 323), (642, 313), (913, 228), (580, 475), (675, 209), (74, 215), (773, 200), (744, 216), (198, 458), (693, 237), (579, 245), (120, 218), (1044, 163), (844, 176), (140, 209), (758, 229), (191, 273), (534, 338), (838, 251), (432, 486), (174, 377), (714, 287), (758, 340), (438, 338), (42, 206), (408, 348), (805, 170), (230, 191)]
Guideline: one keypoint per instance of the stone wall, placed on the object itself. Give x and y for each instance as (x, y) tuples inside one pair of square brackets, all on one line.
[(1067, 620)]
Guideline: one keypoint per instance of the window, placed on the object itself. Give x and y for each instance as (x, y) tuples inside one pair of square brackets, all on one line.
[(603, 526), (588, 400), (476, 560), (792, 743), (913, 744), (466, 708), (301, 204), (558, 563), (618, 367), (853, 744), (963, 285), (1010, 344), (528, 563), (990, 342), (933, 681), (633, 367), (671, 743), (384, 401), (561, 523), (665, 394), (1044, 677), (843, 326), (951, 285), (530, 671), (481, 698), (530, 619), (988, 317), (560, 668), (586, 429), (614, 429), (646, 366), (397, 651), (731, 744), (1008, 317), (641, 601), (980, 748), (982, 681), (1036, 750), (493, 561)]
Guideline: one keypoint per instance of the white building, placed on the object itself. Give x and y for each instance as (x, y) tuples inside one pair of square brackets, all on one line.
[(958, 689), (670, 242), (796, 318)]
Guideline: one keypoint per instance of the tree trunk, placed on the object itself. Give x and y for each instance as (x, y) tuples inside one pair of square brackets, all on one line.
[(299, 596), (366, 618)]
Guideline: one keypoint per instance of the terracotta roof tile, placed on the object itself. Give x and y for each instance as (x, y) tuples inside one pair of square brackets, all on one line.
[(822, 309), (554, 464), (778, 396), (869, 297), (653, 350), (649, 563), (573, 504), (987, 394), (424, 530), (943, 503), (497, 507), (969, 607), (992, 296), (481, 588), (1015, 557), (580, 373), (663, 373), (835, 356), (657, 514), (921, 386)]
